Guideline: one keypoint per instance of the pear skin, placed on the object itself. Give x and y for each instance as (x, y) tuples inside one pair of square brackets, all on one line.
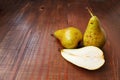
[(59, 34), (69, 37), (94, 34)]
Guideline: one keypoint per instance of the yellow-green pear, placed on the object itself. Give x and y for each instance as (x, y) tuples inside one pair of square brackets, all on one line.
[(94, 34), (69, 37)]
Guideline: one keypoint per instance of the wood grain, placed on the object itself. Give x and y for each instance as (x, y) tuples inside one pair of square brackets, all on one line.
[(29, 52)]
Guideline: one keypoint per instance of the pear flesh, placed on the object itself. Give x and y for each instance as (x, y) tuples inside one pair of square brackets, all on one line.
[(89, 57)]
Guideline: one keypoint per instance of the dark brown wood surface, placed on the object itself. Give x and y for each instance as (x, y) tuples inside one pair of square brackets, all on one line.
[(29, 52)]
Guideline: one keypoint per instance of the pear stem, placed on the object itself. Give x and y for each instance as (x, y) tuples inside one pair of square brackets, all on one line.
[(90, 11)]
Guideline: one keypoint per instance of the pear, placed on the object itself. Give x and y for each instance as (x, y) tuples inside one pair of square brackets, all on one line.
[(69, 37), (94, 34), (90, 57)]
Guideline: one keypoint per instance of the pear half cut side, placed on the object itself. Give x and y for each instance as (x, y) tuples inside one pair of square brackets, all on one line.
[(89, 57)]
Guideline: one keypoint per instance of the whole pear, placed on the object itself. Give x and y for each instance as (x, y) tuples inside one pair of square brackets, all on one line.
[(69, 37), (94, 34)]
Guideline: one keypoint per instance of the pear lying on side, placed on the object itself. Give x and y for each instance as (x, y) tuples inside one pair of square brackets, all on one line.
[(69, 37), (94, 34), (89, 57)]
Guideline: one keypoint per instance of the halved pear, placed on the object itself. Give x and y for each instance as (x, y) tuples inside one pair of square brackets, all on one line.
[(89, 57)]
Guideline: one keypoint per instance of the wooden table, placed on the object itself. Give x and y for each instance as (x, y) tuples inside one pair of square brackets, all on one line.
[(29, 52)]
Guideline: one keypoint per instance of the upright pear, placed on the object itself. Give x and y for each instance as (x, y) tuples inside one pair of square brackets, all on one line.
[(69, 37), (94, 34)]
